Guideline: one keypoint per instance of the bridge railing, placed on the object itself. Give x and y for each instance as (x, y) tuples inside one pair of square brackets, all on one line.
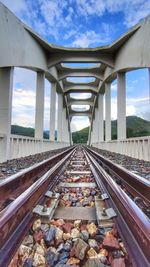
[(21, 146), (138, 147)]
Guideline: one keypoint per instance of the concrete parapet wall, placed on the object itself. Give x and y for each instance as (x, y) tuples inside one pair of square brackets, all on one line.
[(21, 146), (134, 147)]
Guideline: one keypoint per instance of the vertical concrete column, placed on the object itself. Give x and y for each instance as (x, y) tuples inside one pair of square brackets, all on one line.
[(149, 82), (70, 138), (121, 106), (66, 133), (90, 131), (69, 130), (39, 110), (96, 126), (52, 112), (64, 126), (91, 137), (6, 89), (93, 133), (59, 118), (107, 111), (100, 118)]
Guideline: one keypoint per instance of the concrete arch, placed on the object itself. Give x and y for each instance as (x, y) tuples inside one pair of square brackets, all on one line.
[(17, 46), (78, 56), (80, 102), (79, 73)]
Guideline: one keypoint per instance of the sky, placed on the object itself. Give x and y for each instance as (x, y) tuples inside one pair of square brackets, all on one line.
[(78, 23)]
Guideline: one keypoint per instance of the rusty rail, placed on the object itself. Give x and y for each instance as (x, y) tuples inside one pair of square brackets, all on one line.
[(136, 185), (17, 217), (132, 224), (14, 185)]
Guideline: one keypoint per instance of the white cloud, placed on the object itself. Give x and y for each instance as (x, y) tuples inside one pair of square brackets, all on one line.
[(81, 79), (80, 95), (79, 123), (25, 78), (137, 11), (134, 106), (90, 7), (23, 98), (23, 112), (69, 33), (61, 18), (24, 92), (133, 11), (17, 7), (80, 107), (23, 107), (54, 16), (114, 86), (89, 38)]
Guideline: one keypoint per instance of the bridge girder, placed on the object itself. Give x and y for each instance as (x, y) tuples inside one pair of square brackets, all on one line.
[(21, 46)]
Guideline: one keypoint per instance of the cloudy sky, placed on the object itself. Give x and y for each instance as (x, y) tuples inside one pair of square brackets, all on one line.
[(78, 23)]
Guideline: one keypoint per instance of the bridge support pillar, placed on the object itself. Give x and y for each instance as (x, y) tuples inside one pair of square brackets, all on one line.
[(100, 118), (64, 126), (70, 137), (92, 135), (121, 106), (52, 112), (59, 118), (68, 132), (149, 82), (39, 112), (107, 111), (93, 130), (6, 88), (96, 125)]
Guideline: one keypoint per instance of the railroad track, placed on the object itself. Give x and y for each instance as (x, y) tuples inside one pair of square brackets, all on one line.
[(138, 187), (75, 214), (12, 187)]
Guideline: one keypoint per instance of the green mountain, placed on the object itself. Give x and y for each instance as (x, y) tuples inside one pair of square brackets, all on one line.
[(80, 136), (27, 131), (136, 127)]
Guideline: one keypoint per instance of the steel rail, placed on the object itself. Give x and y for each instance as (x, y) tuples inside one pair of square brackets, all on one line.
[(14, 185), (132, 224), (136, 185), (16, 219)]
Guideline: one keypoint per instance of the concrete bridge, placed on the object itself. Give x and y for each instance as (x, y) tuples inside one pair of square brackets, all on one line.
[(20, 46)]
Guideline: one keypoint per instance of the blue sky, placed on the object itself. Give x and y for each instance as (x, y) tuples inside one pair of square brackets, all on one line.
[(78, 23)]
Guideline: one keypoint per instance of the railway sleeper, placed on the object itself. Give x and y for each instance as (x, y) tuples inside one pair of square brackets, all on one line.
[(73, 227)]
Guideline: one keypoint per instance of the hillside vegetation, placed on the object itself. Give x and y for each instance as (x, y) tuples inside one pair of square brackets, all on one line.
[(80, 136), (26, 131), (135, 127)]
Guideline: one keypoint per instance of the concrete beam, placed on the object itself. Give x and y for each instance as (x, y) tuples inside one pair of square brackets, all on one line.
[(79, 73), (79, 56), (73, 114), (80, 91), (17, 46), (80, 87), (53, 74), (80, 102)]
